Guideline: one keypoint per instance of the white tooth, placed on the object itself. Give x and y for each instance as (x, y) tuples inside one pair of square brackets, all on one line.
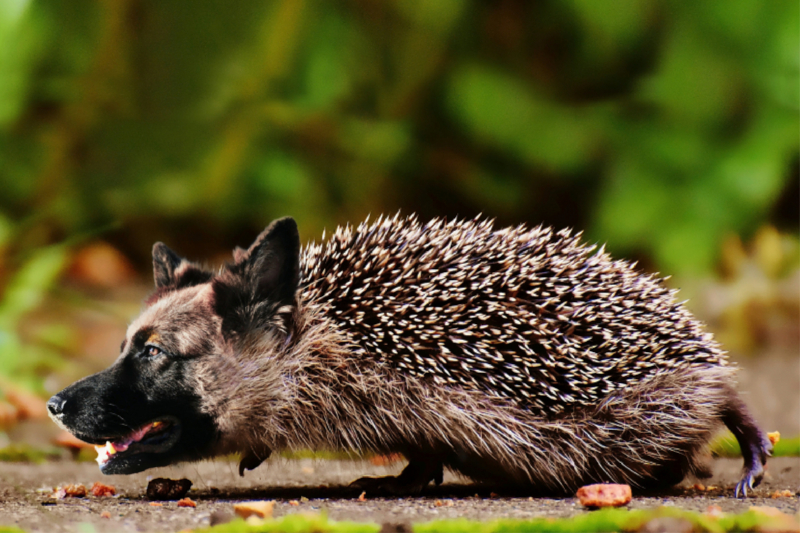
[(102, 455)]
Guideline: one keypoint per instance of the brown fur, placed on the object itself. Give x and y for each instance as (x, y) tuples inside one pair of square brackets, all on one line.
[(619, 383)]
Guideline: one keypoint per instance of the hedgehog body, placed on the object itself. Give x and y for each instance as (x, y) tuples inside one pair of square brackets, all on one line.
[(516, 356)]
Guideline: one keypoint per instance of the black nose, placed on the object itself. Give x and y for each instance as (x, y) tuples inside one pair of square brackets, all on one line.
[(56, 405)]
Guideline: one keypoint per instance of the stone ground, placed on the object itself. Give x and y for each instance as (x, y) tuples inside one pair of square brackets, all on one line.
[(320, 486), (772, 383)]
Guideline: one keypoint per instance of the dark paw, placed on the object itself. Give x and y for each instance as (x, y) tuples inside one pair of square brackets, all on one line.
[(754, 468), (387, 486)]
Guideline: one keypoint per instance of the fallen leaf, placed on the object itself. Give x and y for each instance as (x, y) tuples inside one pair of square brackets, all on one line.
[(29, 406), (102, 265), (8, 414)]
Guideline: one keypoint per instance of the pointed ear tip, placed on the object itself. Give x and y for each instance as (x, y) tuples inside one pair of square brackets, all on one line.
[(288, 222)]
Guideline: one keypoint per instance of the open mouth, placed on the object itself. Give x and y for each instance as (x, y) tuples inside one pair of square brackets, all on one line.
[(128, 453)]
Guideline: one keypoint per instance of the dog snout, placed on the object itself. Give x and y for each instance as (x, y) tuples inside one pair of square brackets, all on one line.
[(56, 405)]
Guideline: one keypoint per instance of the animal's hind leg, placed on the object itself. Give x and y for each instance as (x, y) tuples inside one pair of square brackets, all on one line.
[(415, 476), (754, 443)]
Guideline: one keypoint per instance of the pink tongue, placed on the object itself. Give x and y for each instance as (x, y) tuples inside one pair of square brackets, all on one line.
[(137, 435)]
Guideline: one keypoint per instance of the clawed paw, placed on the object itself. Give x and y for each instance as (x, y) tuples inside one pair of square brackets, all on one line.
[(751, 479)]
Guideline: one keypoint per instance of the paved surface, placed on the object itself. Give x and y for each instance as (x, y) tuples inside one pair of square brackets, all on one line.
[(24, 488), (771, 382)]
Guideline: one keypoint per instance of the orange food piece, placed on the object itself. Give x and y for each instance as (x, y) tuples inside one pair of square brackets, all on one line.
[(156, 504), (774, 437), (99, 489), (260, 509), (604, 495), (362, 497), (186, 502), (69, 491), (105, 514)]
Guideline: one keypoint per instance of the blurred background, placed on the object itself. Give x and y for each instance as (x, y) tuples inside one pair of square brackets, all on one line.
[(668, 130)]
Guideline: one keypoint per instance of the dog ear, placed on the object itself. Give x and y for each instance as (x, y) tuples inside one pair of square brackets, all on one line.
[(270, 267), (171, 271), (165, 263)]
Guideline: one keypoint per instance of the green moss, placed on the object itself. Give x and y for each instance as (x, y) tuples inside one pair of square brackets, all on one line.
[(325, 454), (614, 520), (294, 523), (727, 446), (604, 520), (21, 453)]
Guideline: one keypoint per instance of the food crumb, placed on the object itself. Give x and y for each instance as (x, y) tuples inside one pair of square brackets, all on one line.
[(294, 503), (446, 503), (69, 491), (100, 490), (362, 497), (105, 514), (699, 486), (714, 511), (604, 495), (258, 509), (186, 502), (786, 493), (156, 504), (168, 489), (774, 437)]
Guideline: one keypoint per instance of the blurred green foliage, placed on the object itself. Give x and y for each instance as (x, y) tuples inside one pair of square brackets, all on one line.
[(659, 126)]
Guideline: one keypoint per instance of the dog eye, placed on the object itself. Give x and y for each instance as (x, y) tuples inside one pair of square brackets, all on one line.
[(153, 351)]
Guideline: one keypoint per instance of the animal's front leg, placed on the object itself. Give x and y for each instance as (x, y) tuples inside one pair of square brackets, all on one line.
[(251, 460)]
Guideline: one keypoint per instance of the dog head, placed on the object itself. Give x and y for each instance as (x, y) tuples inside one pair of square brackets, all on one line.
[(151, 407)]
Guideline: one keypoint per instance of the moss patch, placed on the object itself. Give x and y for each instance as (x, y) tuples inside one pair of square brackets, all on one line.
[(24, 453), (727, 446), (604, 520)]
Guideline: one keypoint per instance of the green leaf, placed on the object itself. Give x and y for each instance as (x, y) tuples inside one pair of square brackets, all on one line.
[(503, 112), (27, 288)]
